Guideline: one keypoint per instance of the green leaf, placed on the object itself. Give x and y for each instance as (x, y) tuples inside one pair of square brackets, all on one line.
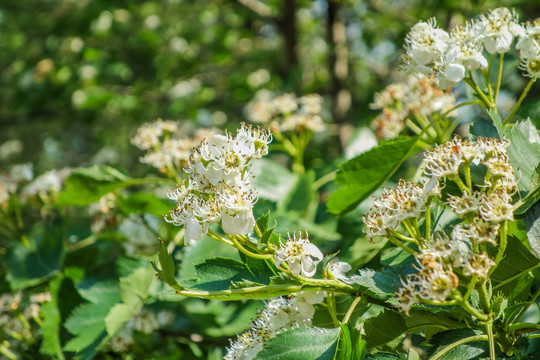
[(134, 290), (144, 203), (467, 351), (532, 225), (413, 355), (50, 327), (533, 196), (167, 271), (384, 327), (301, 193), (524, 152), (42, 257), (87, 185), (200, 251), (497, 122), (380, 285), (350, 345), (382, 356), (218, 274), (517, 260), (301, 344), (367, 172), (484, 128), (272, 180), (87, 321)]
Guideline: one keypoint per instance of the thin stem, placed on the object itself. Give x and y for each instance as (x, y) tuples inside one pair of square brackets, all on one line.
[(331, 301), (81, 244), (499, 78), (472, 102), (470, 288), (484, 297), (523, 327), (488, 80), (427, 217), (459, 183), (514, 277), (399, 244), (467, 307), (469, 80), (215, 236), (525, 308), (458, 343), (491, 340), (520, 100), (467, 171), (502, 246), (403, 237), (247, 252), (351, 309), (323, 181)]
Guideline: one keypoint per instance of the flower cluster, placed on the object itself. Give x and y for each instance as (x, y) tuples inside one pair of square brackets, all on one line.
[(298, 253), (288, 113), (218, 189), (46, 186), (482, 206), (19, 315), (406, 201), (450, 55), (415, 97), (166, 143), (279, 315)]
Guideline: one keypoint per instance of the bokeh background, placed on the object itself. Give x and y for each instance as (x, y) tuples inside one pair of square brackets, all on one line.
[(78, 77)]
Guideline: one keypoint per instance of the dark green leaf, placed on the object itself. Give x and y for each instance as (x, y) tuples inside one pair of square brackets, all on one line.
[(364, 174), (87, 185), (484, 128), (517, 260), (42, 257), (301, 344), (468, 351), (384, 327), (380, 285), (383, 356), (497, 122), (218, 274)]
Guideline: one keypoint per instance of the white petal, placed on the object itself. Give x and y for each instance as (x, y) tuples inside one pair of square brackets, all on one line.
[(314, 251)]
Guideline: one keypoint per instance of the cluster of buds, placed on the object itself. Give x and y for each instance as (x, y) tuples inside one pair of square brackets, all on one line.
[(483, 207), (406, 202), (449, 55), (279, 315), (166, 144), (288, 113), (418, 98), (218, 189)]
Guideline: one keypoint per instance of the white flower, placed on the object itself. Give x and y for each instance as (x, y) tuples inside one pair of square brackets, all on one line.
[(425, 45), (298, 253), (337, 269), (497, 29)]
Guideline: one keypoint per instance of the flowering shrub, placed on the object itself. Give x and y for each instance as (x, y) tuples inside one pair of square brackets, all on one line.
[(242, 246)]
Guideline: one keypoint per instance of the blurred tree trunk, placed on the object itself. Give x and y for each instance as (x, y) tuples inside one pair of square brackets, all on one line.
[(288, 30), (338, 63)]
